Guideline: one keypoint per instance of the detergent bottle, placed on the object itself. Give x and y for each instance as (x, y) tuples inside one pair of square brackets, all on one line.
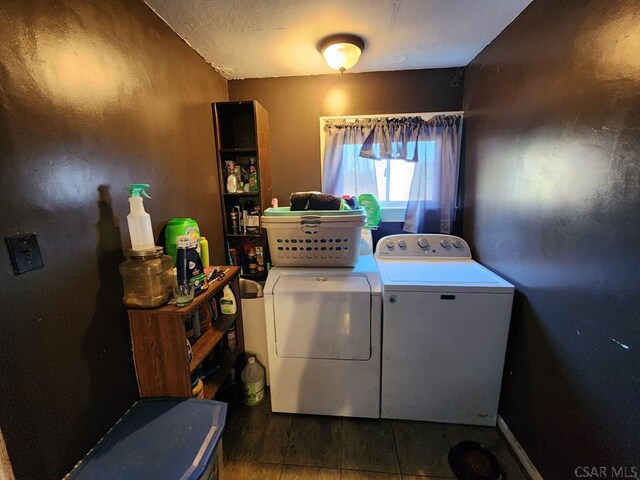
[(139, 221), (228, 301), (371, 206)]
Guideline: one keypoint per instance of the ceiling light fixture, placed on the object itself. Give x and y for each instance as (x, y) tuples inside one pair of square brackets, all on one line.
[(342, 51)]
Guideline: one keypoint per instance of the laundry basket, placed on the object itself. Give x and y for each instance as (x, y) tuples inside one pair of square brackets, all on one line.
[(313, 238)]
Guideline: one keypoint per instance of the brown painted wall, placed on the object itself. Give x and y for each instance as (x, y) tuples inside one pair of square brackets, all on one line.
[(552, 181), (295, 105), (91, 93)]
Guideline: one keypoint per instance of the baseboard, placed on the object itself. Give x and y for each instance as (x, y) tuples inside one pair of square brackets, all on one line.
[(525, 461)]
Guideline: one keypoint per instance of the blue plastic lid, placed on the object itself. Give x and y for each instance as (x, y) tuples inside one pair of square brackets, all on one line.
[(163, 439)]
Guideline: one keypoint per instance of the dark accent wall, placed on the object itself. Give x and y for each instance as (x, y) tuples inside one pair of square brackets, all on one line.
[(552, 182), (94, 94), (295, 105)]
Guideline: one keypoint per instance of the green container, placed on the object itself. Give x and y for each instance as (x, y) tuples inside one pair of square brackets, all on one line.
[(177, 227)]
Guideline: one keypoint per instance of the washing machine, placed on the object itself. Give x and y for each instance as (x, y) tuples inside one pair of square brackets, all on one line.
[(445, 327), (323, 339)]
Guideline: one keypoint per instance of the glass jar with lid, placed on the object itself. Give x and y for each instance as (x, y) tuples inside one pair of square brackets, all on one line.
[(147, 278)]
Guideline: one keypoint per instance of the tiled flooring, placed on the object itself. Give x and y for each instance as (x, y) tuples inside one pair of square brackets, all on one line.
[(259, 444)]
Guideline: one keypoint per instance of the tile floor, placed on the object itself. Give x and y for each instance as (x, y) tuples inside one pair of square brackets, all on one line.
[(259, 444)]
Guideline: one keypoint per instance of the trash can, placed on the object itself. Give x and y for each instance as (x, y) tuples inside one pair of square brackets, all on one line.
[(253, 322)]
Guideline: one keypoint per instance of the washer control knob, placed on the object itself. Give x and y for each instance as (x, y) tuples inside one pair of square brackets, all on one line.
[(402, 244), (457, 243), (445, 243), (389, 244), (423, 242)]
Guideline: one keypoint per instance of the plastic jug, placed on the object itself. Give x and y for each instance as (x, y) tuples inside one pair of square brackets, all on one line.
[(252, 377)]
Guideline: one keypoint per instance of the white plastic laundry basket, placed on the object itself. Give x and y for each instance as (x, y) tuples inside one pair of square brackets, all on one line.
[(313, 238)]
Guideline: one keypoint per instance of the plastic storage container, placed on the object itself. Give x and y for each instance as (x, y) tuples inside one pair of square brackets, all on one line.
[(147, 278), (313, 238), (252, 377), (163, 439), (177, 227)]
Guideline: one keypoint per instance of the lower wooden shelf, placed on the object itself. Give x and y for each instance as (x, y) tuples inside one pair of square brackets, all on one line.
[(212, 384), (203, 345)]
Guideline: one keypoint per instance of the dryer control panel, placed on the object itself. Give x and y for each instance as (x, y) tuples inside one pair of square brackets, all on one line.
[(419, 245)]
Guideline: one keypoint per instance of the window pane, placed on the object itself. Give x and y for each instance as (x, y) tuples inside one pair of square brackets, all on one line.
[(400, 180), (381, 179)]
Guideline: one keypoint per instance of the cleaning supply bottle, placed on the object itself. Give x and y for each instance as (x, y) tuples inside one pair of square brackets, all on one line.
[(238, 174), (253, 177), (189, 265), (371, 206), (232, 179), (228, 301), (139, 221), (252, 377), (204, 251)]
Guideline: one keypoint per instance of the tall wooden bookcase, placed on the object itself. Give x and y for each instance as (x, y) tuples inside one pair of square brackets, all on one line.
[(242, 134)]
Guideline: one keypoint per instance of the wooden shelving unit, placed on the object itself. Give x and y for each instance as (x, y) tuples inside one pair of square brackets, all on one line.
[(159, 341), (242, 135)]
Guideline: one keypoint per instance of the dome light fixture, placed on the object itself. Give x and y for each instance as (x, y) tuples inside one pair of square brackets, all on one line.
[(342, 51)]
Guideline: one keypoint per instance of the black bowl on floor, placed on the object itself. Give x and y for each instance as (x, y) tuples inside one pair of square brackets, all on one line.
[(471, 461)]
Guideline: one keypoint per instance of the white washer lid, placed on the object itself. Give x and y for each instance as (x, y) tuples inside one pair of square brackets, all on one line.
[(435, 275)]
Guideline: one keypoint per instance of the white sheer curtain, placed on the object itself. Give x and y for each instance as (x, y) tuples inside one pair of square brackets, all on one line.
[(434, 145), (438, 164), (344, 170)]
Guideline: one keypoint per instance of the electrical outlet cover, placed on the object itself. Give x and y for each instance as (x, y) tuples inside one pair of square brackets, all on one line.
[(24, 252)]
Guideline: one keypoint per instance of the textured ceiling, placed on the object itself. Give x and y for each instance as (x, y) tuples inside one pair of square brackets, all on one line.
[(274, 38)]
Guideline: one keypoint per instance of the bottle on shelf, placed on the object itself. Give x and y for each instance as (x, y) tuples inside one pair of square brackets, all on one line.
[(231, 338), (188, 326), (260, 259), (228, 301), (253, 221), (235, 224), (253, 176), (233, 254), (244, 221), (237, 173), (232, 179), (253, 264), (195, 318)]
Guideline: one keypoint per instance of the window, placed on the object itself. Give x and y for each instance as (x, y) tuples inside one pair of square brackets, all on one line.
[(393, 177), (421, 192)]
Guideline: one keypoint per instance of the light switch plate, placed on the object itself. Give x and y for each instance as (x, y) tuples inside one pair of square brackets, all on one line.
[(24, 252)]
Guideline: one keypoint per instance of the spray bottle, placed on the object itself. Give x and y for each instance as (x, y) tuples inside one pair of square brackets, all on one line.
[(139, 221)]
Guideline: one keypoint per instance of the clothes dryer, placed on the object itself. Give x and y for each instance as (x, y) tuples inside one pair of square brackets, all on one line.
[(323, 339)]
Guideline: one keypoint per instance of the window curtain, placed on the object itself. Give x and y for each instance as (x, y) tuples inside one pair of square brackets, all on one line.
[(434, 145), (344, 170)]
